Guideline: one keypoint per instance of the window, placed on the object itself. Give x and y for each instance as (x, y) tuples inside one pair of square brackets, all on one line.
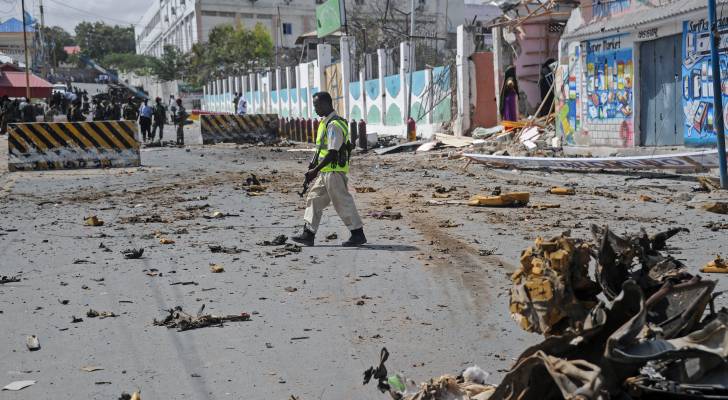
[(287, 28), (359, 2)]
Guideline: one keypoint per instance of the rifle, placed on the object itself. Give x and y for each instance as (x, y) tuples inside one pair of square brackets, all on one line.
[(312, 164)]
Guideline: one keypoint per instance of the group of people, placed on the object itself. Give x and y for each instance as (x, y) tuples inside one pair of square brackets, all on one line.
[(16, 110), (153, 118)]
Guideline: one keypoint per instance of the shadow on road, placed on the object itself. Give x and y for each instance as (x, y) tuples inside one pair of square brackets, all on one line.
[(378, 247)]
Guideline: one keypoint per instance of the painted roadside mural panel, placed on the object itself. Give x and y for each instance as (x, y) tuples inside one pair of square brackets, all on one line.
[(567, 96), (697, 80), (609, 85)]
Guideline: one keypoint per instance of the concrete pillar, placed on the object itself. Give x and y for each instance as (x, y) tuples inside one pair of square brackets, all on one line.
[(404, 71), (204, 97), (289, 102), (231, 89), (462, 63), (430, 95), (299, 85), (278, 87), (363, 97), (323, 55), (382, 65), (346, 45)]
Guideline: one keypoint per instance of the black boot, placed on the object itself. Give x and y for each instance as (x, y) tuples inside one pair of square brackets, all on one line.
[(305, 238), (357, 238)]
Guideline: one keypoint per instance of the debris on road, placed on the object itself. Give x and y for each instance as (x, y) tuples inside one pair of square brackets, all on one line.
[(91, 369), (646, 198), (216, 268), (287, 249), (18, 385), (165, 240), (91, 313), (716, 266), (8, 279), (718, 207), (653, 337), (133, 254), (182, 321), (332, 236), (365, 189), (75, 320), (216, 248), (32, 343), (386, 214), (93, 221), (562, 191), (277, 241), (514, 199)]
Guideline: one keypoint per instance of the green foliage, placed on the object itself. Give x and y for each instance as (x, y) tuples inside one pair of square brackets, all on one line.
[(230, 51), (130, 62), (171, 65), (98, 39), (56, 38)]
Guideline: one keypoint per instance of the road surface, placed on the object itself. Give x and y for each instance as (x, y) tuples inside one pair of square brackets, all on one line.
[(319, 317)]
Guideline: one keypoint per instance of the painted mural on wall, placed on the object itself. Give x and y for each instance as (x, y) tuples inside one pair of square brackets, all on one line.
[(567, 96), (697, 81), (609, 85)]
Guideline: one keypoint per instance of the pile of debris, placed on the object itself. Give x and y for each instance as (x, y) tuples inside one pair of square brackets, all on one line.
[(177, 318), (655, 335), (524, 138)]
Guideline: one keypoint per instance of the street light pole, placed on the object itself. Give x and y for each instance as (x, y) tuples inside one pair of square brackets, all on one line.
[(411, 60), (717, 94), (25, 45)]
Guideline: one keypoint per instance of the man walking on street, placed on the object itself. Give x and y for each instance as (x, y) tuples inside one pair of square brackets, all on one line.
[(329, 170), (159, 118), (145, 120), (180, 118)]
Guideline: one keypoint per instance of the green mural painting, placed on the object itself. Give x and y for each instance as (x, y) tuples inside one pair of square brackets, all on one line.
[(442, 111), (374, 116), (355, 113), (394, 115), (418, 112)]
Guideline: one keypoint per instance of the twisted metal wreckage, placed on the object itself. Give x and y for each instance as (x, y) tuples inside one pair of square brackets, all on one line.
[(656, 335)]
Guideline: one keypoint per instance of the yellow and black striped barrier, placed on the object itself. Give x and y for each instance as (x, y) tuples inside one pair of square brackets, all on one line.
[(231, 128), (72, 145)]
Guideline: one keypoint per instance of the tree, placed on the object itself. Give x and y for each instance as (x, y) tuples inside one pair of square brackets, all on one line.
[(56, 38), (171, 65), (130, 62), (230, 51), (99, 39)]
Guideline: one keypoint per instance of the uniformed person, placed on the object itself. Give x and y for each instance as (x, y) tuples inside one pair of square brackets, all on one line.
[(159, 117), (331, 183), (179, 118), (129, 110)]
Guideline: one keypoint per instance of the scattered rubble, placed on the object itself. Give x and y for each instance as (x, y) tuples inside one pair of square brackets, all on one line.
[(386, 214), (216, 268), (562, 191), (93, 221), (32, 343), (133, 254), (515, 199), (650, 338), (182, 321), (718, 207), (718, 265), (165, 240), (216, 248), (91, 313), (365, 189), (277, 241), (8, 279), (18, 385)]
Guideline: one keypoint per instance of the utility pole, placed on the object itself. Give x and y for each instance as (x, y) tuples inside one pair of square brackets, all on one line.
[(25, 45), (717, 94), (411, 60), (43, 47)]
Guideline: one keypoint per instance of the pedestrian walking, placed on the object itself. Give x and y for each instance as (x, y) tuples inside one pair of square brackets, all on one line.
[(328, 171), (180, 119), (145, 120), (159, 117)]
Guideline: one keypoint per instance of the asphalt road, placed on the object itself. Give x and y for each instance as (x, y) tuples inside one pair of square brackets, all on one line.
[(318, 317)]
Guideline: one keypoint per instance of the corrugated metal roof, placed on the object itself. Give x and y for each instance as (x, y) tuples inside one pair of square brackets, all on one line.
[(640, 17), (14, 25), (17, 79)]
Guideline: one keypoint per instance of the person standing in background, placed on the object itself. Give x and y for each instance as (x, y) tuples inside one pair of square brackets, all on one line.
[(159, 117), (509, 96), (145, 120), (180, 118), (242, 106)]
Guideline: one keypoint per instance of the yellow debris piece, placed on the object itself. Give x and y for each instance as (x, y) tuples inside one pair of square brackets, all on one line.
[(562, 191), (513, 199)]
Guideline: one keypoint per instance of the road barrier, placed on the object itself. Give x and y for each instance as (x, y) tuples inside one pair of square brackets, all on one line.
[(231, 128), (72, 145)]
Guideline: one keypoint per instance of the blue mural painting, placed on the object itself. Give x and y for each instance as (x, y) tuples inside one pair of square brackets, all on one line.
[(274, 96), (418, 83), (372, 89), (441, 77), (697, 81), (284, 95), (393, 84), (355, 90), (294, 95)]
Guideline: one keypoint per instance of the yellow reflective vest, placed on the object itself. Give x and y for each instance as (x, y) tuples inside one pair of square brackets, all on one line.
[(322, 145)]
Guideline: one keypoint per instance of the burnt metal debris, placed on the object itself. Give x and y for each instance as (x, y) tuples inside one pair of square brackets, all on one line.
[(655, 335), (183, 321)]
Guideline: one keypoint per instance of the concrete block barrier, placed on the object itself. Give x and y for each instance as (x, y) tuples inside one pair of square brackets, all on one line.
[(231, 128), (73, 145)]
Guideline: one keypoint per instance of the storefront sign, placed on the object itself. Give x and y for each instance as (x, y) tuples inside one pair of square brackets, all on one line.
[(647, 34)]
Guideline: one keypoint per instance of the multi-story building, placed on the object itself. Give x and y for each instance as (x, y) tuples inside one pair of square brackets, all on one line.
[(186, 22)]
